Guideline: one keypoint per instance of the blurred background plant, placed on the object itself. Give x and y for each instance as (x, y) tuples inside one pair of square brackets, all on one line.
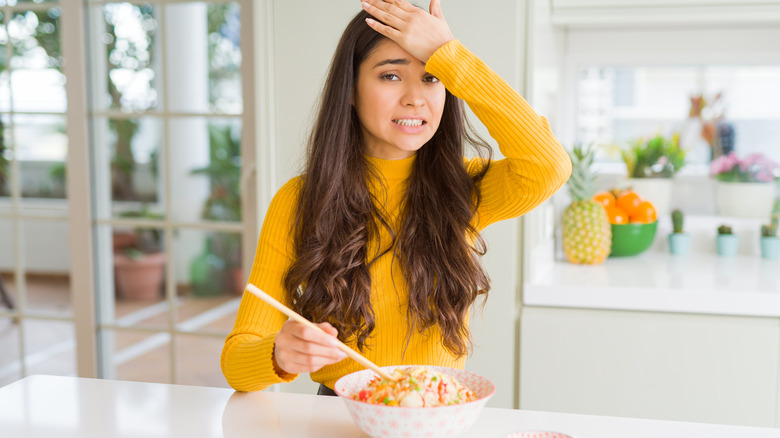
[(753, 168), (658, 157)]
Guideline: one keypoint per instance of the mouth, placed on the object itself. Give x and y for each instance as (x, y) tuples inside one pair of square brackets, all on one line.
[(412, 123)]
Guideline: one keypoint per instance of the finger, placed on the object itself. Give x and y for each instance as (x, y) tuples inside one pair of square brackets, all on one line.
[(385, 12), (436, 9), (387, 31), (310, 364), (302, 348), (329, 329), (400, 4), (312, 335)]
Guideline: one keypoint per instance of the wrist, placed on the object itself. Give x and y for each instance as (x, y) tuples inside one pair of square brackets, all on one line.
[(277, 368)]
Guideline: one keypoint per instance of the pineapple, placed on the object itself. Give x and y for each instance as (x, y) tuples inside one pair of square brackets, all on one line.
[(587, 234)]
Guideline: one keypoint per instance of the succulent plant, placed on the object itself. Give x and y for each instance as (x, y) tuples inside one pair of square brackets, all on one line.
[(725, 229), (769, 230), (677, 221)]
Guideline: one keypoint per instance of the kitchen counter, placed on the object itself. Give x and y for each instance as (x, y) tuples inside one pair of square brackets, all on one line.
[(46, 406), (655, 280)]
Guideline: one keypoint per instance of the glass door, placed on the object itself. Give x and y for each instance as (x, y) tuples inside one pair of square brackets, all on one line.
[(37, 329), (169, 146)]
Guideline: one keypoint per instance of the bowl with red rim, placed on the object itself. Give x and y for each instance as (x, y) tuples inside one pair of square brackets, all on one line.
[(381, 421)]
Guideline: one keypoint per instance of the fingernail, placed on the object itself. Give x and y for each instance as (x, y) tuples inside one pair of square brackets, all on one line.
[(365, 5), (334, 343), (342, 355)]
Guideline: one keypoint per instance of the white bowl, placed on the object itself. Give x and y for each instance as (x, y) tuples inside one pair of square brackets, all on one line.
[(380, 421), (538, 434)]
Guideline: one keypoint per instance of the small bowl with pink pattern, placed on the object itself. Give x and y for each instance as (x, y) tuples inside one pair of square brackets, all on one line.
[(380, 421)]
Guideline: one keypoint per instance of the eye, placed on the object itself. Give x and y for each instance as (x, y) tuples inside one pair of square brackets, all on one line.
[(430, 78), (390, 77)]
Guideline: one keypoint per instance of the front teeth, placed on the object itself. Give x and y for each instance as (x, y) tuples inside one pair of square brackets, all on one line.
[(409, 122)]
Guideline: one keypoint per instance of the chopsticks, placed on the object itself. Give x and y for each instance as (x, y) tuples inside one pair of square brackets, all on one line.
[(359, 358)]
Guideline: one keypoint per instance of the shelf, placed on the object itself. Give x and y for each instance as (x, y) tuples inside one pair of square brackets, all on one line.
[(657, 281)]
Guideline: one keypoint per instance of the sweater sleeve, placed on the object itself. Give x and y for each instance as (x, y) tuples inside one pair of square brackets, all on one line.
[(247, 357), (536, 165)]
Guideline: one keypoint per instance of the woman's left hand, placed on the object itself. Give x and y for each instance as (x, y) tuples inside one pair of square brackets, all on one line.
[(418, 32)]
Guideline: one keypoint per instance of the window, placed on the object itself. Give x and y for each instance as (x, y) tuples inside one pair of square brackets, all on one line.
[(617, 104)]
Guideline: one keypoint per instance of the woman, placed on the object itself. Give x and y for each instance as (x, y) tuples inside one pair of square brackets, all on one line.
[(378, 241)]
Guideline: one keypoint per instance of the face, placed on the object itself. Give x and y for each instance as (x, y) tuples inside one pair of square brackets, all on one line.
[(398, 103)]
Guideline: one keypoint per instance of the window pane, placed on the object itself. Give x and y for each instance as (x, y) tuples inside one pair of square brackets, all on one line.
[(128, 153), (5, 86), (204, 58), (205, 169), (131, 281), (50, 347), (47, 267), (140, 356), (6, 155), (10, 365), (41, 148), (8, 260), (38, 83), (225, 58), (127, 69), (191, 368), (139, 277), (209, 268)]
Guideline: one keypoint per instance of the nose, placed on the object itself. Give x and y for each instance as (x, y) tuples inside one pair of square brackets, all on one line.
[(414, 95)]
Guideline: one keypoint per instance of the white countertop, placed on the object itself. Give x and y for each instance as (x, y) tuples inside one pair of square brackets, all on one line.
[(48, 406), (658, 281)]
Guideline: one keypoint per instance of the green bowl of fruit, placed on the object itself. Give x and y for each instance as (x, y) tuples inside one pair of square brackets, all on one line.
[(632, 239)]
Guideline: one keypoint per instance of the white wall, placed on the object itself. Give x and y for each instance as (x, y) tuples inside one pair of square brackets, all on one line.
[(303, 43)]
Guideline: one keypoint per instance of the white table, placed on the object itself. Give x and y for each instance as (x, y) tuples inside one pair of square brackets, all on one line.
[(48, 406)]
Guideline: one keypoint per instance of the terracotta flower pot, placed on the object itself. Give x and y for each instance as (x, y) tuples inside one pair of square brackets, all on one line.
[(141, 278)]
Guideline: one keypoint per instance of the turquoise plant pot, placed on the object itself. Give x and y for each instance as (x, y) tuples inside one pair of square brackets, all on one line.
[(727, 244), (770, 247), (679, 243)]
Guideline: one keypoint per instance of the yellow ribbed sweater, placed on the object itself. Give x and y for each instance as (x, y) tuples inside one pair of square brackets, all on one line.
[(535, 167)]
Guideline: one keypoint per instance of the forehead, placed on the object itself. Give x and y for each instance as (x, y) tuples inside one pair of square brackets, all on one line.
[(386, 50)]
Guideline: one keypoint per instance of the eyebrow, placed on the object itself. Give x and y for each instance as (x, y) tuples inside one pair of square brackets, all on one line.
[(399, 61)]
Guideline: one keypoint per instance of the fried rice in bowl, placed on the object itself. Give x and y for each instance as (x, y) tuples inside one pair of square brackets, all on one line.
[(426, 401)]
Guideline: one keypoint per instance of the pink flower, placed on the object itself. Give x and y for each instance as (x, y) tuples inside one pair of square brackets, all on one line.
[(754, 168), (724, 163)]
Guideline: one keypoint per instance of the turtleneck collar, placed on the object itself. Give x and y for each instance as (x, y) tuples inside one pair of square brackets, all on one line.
[(393, 169)]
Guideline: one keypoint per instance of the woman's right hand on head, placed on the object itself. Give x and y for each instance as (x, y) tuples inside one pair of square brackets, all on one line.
[(302, 349)]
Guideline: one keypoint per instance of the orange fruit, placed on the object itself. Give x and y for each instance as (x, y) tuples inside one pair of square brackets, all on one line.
[(629, 201), (607, 199), (644, 214), (617, 215)]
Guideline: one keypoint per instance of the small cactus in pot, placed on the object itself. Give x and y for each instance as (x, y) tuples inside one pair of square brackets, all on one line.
[(770, 243), (725, 230), (727, 242), (679, 240)]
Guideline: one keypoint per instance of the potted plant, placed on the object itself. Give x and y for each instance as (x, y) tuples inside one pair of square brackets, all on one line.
[(139, 267), (679, 240), (651, 164), (745, 187), (770, 243), (727, 242)]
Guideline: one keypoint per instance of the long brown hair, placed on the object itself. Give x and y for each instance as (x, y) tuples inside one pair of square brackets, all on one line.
[(436, 245)]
